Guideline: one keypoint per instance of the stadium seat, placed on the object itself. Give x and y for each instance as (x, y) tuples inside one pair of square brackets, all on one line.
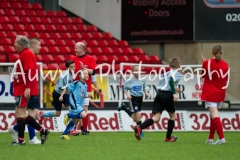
[(11, 34), (89, 49), (4, 19), (76, 36), (53, 66), (60, 42), (41, 13), (66, 20), (62, 66), (123, 44), (44, 35), (6, 41), (42, 42), (19, 27), (144, 59), (37, 6), (31, 13), (29, 27), (10, 12), (133, 59), (3, 58), (96, 50), (112, 43), (5, 5), (77, 20), (56, 20), (65, 50), (16, 5), (123, 59), (3, 34), (44, 50), (137, 51), (10, 49), (39, 57), (26, 6), (25, 20), (61, 14), (107, 35), (46, 20), (51, 13), (20, 12), (61, 28), (54, 50), (36, 20), (14, 19), (72, 28), (107, 50), (92, 43), (23, 33), (48, 58), (7, 27), (40, 27), (44, 66), (155, 60), (97, 35), (55, 35), (102, 59), (70, 42), (94, 57), (127, 51), (82, 28), (118, 51), (51, 27), (13, 57), (2, 50), (50, 42), (2, 12), (66, 35), (92, 28), (111, 58), (87, 36), (69, 57), (34, 35), (102, 43), (59, 58)]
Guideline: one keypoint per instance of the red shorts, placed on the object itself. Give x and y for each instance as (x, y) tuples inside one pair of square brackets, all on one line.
[(21, 101)]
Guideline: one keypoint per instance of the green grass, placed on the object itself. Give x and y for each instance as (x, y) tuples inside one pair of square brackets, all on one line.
[(124, 146)]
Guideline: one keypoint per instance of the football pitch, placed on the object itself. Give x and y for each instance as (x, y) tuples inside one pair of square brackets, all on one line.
[(124, 146)]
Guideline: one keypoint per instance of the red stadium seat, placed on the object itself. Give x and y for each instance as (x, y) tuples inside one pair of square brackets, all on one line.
[(11, 34), (127, 51), (4, 19), (96, 50), (44, 66), (65, 50), (6, 41), (2, 50), (19, 27), (34, 35), (14, 19), (5, 4), (89, 49), (40, 27), (107, 50), (102, 59), (44, 50), (56, 20), (144, 59), (82, 28), (55, 35), (26, 6), (24, 33), (77, 20), (41, 13), (72, 28), (16, 5), (51, 27), (3, 58), (62, 66), (48, 58), (59, 58), (53, 66), (92, 43), (66, 20), (155, 60), (36, 20), (10, 12), (107, 35), (87, 35), (61, 28), (46, 20), (112, 43), (2, 12), (118, 51), (25, 20), (29, 27), (97, 35), (102, 43), (92, 28), (76, 36), (61, 14), (31, 13), (37, 6), (123, 59), (51, 13), (60, 42), (3, 34), (54, 50), (7, 27), (70, 42), (123, 43), (69, 57), (66, 36), (50, 42), (111, 58), (133, 59), (138, 51), (13, 57), (20, 12), (10, 49), (39, 57), (44, 35)]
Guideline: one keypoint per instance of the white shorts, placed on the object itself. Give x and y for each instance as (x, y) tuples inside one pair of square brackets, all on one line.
[(86, 102), (213, 104)]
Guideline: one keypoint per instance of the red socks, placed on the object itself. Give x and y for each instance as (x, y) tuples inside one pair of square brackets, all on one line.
[(85, 122), (212, 129), (218, 126)]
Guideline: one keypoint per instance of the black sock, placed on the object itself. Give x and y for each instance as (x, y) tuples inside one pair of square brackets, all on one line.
[(21, 128), (146, 123), (32, 122), (139, 122), (171, 124), (81, 128)]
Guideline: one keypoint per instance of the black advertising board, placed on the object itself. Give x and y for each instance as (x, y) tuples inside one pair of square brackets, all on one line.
[(157, 20), (217, 20)]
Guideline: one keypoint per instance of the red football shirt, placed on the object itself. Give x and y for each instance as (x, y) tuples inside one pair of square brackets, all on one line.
[(28, 62), (89, 63), (212, 90)]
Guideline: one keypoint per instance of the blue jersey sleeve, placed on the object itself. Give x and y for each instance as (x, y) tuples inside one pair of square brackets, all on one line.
[(71, 86)]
